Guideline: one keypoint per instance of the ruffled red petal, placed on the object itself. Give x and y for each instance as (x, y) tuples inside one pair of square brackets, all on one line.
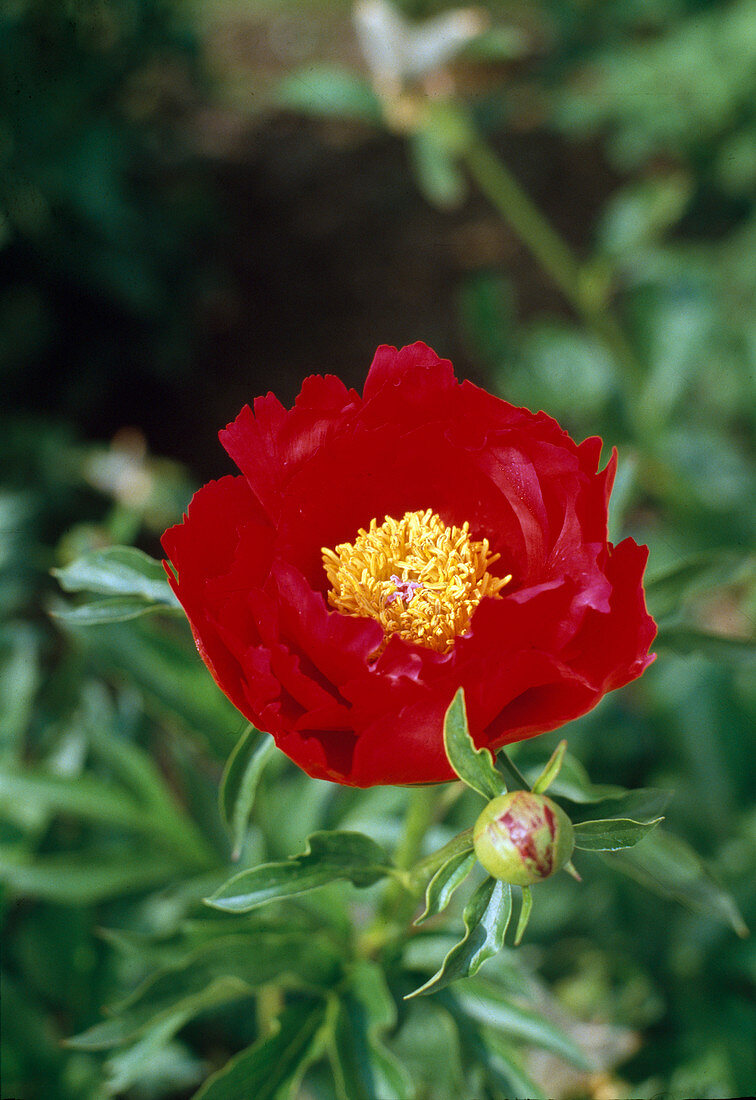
[(572, 623)]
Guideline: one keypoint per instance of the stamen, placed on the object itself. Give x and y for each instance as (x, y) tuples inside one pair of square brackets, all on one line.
[(419, 578)]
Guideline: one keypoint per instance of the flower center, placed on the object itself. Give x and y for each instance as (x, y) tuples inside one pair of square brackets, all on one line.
[(419, 578)]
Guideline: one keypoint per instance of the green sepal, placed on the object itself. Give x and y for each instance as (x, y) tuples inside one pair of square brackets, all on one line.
[(486, 918), (610, 834), (645, 804), (551, 771), (328, 856), (444, 882), (525, 910), (475, 767)]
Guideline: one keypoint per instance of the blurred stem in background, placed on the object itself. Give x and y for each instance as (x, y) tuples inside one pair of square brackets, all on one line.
[(586, 286)]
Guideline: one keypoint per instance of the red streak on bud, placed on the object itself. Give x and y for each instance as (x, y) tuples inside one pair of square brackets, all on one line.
[(550, 819), (521, 828)]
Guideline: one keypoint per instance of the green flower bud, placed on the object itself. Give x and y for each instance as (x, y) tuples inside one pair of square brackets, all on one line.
[(523, 837)]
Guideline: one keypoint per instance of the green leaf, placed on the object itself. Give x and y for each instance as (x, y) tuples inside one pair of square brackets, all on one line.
[(223, 970), (363, 1067), (505, 1071), (118, 571), (170, 673), (238, 784), (118, 609), (552, 769), (610, 834), (486, 917), (445, 881), (474, 767), (148, 1058), (83, 795), (645, 804), (484, 1002), (264, 1069), (428, 1045), (668, 866), (102, 802), (83, 878), (328, 856), (20, 675), (330, 90), (684, 639)]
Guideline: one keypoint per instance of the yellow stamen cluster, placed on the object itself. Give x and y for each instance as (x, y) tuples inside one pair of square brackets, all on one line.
[(419, 578)]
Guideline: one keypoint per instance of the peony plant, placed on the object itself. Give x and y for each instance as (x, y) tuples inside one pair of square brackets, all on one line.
[(397, 588)]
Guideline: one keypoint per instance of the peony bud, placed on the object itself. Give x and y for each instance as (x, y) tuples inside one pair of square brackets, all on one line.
[(523, 837)]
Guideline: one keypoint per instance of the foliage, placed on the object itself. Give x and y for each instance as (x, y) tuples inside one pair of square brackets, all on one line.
[(130, 791)]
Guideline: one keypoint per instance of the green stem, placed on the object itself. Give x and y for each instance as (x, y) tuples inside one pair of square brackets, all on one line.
[(420, 815), (513, 774), (400, 897), (553, 253)]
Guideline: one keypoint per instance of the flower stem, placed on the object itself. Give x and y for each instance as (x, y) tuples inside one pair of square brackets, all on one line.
[(587, 293), (421, 812), (401, 894)]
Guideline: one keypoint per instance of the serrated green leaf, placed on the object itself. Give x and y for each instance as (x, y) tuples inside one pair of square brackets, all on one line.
[(486, 918), (238, 784), (118, 571), (444, 882), (329, 856), (330, 90), (611, 834), (487, 1005), (552, 769), (668, 865), (264, 1069), (474, 767), (117, 609)]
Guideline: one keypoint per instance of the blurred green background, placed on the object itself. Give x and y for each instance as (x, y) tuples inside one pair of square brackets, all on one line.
[(201, 201)]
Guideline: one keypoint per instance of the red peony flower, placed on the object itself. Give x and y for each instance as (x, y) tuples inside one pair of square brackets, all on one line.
[(379, 552)]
